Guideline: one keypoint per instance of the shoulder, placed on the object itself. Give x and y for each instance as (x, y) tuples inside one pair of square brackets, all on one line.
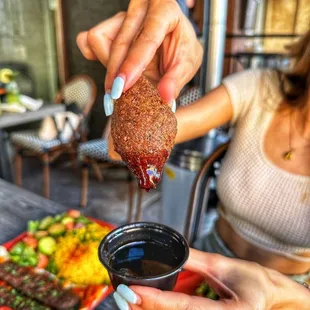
[(261, 85)]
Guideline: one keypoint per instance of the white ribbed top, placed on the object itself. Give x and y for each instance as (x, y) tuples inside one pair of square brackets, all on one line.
[(264, 203)]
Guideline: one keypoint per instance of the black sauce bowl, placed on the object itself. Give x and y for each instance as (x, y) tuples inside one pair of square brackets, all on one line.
[(144, 231)]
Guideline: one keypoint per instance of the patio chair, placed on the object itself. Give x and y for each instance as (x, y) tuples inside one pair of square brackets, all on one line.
[(94, 155), (80, 91)]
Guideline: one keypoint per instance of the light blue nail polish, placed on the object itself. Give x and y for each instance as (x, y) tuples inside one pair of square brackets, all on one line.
[(108, 105), (120, 301), (117, 88), (127, 293), (173, 106)]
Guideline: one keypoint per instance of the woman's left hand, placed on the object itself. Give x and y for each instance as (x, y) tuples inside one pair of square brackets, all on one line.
[(240, 284)]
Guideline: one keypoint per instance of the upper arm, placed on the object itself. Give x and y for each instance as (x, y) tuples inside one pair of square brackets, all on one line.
[(227, 103)]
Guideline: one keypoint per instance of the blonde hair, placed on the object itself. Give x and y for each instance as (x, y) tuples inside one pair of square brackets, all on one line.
[(295, 83)]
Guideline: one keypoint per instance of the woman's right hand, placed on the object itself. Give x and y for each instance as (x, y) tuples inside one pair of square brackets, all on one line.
[(153, 37)]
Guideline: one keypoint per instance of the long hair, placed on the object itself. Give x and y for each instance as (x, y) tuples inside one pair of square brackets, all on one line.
[(295, 83)]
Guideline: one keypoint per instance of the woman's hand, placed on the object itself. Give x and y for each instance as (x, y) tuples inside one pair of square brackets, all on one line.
[(153, 37), (241, 285)]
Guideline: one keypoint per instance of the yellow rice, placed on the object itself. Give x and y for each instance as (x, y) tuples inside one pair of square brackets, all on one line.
[(77, 261)]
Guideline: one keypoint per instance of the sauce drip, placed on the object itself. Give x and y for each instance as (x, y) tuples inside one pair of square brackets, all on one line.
[(147, 167)]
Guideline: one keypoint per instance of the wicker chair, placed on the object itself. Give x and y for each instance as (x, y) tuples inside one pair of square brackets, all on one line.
[(94, 154), (81, 90)]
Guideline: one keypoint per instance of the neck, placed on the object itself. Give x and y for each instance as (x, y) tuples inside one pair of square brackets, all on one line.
[(303, 119)]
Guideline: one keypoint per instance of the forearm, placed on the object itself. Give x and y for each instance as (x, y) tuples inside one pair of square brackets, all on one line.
[(210, 111)]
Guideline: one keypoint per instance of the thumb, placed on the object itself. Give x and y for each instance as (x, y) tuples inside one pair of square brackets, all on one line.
[(154, 299)]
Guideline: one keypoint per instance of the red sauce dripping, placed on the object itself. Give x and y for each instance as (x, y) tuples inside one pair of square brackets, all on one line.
[(148, 168)]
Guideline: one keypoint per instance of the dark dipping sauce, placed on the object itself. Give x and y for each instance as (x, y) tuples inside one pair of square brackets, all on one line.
[(143, 259)]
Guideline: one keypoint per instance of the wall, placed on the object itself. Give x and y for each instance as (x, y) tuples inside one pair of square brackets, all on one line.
[(26, 35), (80, 15)]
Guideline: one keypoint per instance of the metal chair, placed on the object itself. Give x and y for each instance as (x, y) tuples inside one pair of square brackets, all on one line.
[(94, 155), (80, 90), (198, 205)]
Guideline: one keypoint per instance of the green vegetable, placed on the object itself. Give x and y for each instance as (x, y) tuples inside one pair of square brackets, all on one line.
[(67, 220), (47, 245), (33, 226), (18, 248), (15, 258), (57, 229), (82, 219), (212, 295), (40, 234), (204, 290), (58, 218), (46, 222), (51, 267), (28, 252)]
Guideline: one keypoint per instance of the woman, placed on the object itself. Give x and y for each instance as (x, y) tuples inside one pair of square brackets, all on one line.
[(265, 179)]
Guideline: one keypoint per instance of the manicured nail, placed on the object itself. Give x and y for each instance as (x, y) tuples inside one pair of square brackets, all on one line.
[(117, 87), (108, 104), (121, 302), (128, 294), (173, 105)]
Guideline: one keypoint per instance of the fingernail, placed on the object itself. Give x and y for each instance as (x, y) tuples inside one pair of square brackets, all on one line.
[(117, 87), (121, 302), (128, 294), (108, 104), (173, 105)]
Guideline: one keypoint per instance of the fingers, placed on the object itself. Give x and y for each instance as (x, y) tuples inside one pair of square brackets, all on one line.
[(100, 38), (179, 73), (84, 47), (212, 267), (134, 18), (153, 299), (158, 22)]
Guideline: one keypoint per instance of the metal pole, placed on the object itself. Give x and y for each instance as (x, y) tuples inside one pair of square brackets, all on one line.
[(214, 33)]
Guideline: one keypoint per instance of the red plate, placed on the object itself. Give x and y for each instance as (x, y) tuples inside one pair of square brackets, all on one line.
[(187, 281), (93, 294)]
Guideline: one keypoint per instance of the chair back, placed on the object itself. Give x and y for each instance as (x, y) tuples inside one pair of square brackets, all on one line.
[(197, 200), (80, 89)]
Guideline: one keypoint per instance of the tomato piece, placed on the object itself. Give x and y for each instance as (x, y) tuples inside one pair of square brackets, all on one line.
[(5, 308), (31, 242), (69, 226), (74, 213), (43, 261)]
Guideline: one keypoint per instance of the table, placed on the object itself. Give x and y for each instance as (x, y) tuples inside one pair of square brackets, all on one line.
[(13, 119), (18, 206)]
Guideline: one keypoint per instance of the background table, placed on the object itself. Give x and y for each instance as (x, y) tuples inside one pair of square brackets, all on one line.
[(14, 119), (18, 206)]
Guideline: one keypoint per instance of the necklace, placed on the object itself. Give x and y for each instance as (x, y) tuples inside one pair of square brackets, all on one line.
[(289, 153)]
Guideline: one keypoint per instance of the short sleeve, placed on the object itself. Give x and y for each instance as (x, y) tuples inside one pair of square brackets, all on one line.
[(243, 88)]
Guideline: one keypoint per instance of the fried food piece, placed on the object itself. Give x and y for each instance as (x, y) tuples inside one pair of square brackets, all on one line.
[(143, 130)]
